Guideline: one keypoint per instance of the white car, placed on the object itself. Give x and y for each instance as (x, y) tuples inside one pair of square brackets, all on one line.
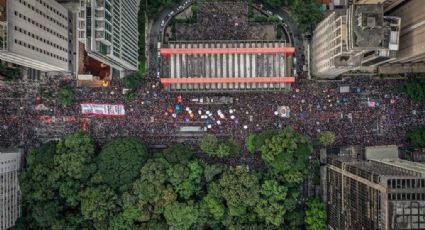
[(171, 13), (162, 23), (269, 12), (280, 18)]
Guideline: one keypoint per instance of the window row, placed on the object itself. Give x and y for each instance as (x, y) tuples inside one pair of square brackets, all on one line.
[(35, 36), (47, 5), (41, 26), (45, 52), (43, 14)]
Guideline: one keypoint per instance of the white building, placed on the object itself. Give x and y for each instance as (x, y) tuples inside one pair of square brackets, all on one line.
[(108, 29), (35, 34), (358, 36), (10, 194)]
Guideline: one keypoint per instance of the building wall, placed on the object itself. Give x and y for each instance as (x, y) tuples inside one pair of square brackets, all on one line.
[(10, 162), (113, 36), (412, 39), (329, 41), (37, 35)]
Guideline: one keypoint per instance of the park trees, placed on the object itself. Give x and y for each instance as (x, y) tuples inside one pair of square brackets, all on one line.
[(240, 190), (120, 161), (65, 96), (415, 89), (287, 153), (327, 138), (213, 147), (70, 183), (416, 136), (315, 215)]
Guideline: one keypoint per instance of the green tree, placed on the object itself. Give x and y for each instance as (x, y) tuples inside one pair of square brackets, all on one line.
[(151, 189), (288, 153), (306, 13), (416, 136), (215, 206), (178, 153), (65, 96), (186, 179), (415, 89), (120, 161), (327, 138), (271, 206), (74, 165), (315, 215), (240, 189), (209, 144), (98, 203), (180, 215)]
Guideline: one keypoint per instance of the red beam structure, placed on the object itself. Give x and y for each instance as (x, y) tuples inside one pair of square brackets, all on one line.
[(194, 51), (199, 80)]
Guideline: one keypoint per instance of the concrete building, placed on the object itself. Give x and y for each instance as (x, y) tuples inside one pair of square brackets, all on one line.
[(35, 34), (388, 4), (412, 36), (371, 192), (348, 39), (108, 31), (10, 194), (226, 66)]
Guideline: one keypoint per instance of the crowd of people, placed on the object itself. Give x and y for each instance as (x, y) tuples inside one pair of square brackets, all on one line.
[(373, 112)]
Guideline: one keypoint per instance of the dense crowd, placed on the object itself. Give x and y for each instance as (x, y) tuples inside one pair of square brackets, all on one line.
[(373, 112), (221, 21)]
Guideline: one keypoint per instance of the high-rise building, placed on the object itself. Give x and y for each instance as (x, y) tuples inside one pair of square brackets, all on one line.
[(348, 39), (412, 36), (35, 34), (109, 33), (10, 194), (374, 193), (388, 4)]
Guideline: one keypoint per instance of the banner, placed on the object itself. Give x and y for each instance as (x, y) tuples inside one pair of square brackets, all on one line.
[(102, 109)]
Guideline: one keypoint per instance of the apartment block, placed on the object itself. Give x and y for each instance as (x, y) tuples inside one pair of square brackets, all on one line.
[(388, 4), (109, 33), (365, 193), (35, 34), (10, 194), (358, 36)]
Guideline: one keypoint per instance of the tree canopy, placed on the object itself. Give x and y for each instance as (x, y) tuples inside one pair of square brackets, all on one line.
[(315, 215), (120, 161), (65, 96), (287, 152), (327, 138), (72, 184), (416, 136)]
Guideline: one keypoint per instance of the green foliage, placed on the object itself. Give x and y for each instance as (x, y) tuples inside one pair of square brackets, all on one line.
[(288, 152), (215, 206), (254, 142), (209, 144), (10, 73), (271, 206), (240, 189), (327, 138), (315, 215), (180, 215), (178, 153), (415, 90), (120, 161), (133, 81), (65, 96), (97, 203), (416, 136), (70, 185), (306, 13)]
